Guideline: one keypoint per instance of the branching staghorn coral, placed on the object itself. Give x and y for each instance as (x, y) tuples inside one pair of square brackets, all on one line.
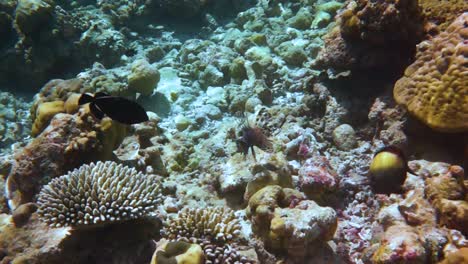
[(99, 193)]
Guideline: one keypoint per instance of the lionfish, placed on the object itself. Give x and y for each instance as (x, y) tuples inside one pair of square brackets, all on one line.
[(250, 136)]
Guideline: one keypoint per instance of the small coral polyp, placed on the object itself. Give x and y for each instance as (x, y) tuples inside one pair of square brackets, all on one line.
[(100, 193)]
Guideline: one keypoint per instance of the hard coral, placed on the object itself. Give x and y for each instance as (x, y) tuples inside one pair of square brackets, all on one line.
[(442, 13), (435, 87), (215, 224), (373, 34), (215, 229), (68, 142), (288, 223), (99, 193)]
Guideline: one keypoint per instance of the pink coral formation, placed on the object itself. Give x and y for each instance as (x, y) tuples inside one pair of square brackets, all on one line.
[(373, 35), (434, 88), (317, 179)]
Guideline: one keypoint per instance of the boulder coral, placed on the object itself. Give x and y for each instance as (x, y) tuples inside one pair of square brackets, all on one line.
[(373, 35), (434, 88), (442, 13)]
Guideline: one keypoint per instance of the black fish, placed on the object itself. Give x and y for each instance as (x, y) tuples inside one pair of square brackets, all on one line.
[(117, 108)]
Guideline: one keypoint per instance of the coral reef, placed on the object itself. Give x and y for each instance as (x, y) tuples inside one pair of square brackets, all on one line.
[(287, 223), (178, 252), (434, 87), (417, 228), (38, 243), (200, 69), (99, 193), (68, 142), (216, 230), (442, 13), (14, 120), (373, 35)]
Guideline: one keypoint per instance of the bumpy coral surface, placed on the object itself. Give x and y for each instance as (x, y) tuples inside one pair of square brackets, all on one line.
[(99, 193), (443, 13), (435, 87)]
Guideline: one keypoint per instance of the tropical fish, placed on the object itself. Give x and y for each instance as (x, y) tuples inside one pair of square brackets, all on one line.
[(251, 136), (388, 170), (117, 108)]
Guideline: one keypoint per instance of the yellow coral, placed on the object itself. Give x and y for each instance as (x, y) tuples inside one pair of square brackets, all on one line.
[(442, 13), (44, 114), (435, 87), (178, 252)]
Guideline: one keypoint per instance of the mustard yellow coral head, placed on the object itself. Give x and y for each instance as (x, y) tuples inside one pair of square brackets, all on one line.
[(434, 88), (388, 171)]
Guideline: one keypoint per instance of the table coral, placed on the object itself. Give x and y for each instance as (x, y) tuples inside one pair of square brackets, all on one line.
[(99, 193), (435, 87)]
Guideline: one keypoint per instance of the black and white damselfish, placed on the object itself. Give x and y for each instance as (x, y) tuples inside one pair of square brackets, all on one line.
[(117, 108)]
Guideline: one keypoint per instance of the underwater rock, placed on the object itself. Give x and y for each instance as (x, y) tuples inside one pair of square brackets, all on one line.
[(37, 243), (301, 20), (143, 78), (15, 124), (372, 36), (448, 194), (32, 15), (459, 256), (22, 214), (344, 137), (401, 243), (441, 63), (68, 142), (317, 179), (288, 224)]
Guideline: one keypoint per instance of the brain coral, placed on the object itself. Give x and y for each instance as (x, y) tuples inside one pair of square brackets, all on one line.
[(435, 87), (97, 194)]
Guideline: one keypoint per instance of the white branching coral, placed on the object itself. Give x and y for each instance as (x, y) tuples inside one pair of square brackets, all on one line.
[(98, 193), (216, 224)]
